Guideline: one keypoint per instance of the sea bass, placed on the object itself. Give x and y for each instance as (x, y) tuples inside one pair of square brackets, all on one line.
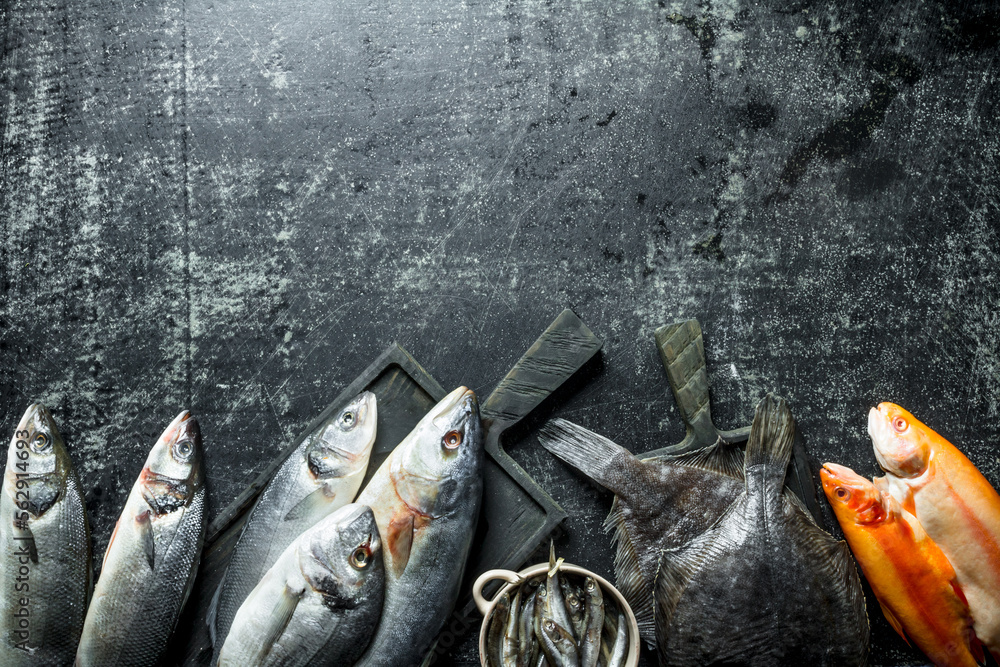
[(912, 579), (151, 561), (660, 503), (319, 604), (952, 501), (322, 475), (764, 585), (45, 540), (426, 498)]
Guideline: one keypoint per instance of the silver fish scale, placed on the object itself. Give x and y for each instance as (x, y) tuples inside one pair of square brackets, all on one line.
[(154, 618), (59, 584), (265, 536)]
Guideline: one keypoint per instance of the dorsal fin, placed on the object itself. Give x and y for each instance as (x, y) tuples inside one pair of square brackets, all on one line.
[(628, 577), (721, 457)]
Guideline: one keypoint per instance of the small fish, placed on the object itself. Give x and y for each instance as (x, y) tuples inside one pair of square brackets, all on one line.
[(590, 641), (45, 569), (558, 644), (912, 579), (619, 650), (555, 605), (151, 561), (498, 625), (509, 645), (660, 503), (764, 584), (953, 502), (319, 603), (322, 475), (426, 498), (525, 627)]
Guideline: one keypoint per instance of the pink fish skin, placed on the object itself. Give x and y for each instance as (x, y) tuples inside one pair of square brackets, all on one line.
[(955, 504)]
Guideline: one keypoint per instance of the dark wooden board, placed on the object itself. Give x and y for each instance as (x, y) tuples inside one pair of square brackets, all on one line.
[(404, 391), (517, 515)]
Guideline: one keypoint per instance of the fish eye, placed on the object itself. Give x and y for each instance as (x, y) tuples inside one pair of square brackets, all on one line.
[(361, 557), (348, 418), (899, 423), (40, 442), (842, 493), (452, 439), (591, 585), (183, 449)]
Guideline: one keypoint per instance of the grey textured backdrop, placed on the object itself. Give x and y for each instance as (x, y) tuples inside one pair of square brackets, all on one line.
[(235, 205)]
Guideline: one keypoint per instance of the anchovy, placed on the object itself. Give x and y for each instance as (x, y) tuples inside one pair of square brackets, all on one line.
[(45, 569), (426, 499), (764, 585), (320, 602), (323, 474), (590, 640)]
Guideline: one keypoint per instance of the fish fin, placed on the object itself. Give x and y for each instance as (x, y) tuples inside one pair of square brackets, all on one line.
[(628, 577), (281, 615), (399, 539), (213, 612), (833, 558), (772, 436), (595, 456), (146, 535), (314, 502), (722, 458), (976, 647), (894, 622), (676, 569), (29, 541)]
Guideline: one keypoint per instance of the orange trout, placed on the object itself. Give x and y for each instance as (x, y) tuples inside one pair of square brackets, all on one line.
[(952, 501), (913, 581)]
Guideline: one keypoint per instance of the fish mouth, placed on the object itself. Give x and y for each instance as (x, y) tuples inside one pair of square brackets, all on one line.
[(878, 425), (37, 412), (461, 401), (183, 425), (839, 474)]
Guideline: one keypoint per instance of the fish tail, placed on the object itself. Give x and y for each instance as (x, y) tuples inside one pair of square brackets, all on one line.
[(772, 435), (592, 454)]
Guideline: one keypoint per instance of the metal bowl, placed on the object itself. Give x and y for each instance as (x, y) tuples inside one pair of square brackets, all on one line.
[(517, 578)]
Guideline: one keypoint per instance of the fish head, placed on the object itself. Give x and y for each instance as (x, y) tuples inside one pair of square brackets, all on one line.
[(853, 498), (37, 447), (344, 444), (342, 557), (173, 473), (440, 461), (37, 463), (902, 443)]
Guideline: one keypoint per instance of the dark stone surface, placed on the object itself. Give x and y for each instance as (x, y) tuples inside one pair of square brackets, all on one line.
[(235, 206)]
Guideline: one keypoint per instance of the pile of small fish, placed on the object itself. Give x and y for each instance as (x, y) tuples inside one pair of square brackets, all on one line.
[(320, 575), (927, 537), (557, 620), (719, 562)]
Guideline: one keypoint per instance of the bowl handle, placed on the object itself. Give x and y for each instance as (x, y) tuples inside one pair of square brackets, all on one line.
[(477, 588)]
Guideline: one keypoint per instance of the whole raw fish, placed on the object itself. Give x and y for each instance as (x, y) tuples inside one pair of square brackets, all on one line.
[(764, 585), (952, 501), (426, 499), (322, 475), (319, 604), (660, 503), (912, 579), (45, 540), (151, 561)]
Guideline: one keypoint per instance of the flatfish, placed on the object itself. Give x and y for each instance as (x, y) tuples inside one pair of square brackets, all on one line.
[(660, 503), (764, 585)]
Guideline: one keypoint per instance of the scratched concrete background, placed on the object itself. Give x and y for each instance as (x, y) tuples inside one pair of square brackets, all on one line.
[(233, 206)]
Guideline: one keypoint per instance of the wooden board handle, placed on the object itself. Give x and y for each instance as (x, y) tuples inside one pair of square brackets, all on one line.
[(559, 352), (682, 352)]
